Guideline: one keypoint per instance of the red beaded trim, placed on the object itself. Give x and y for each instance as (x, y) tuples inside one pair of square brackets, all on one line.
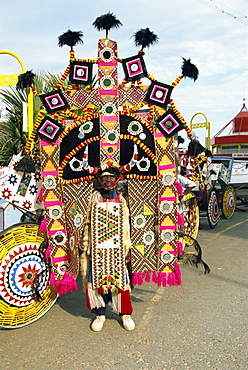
[(141, 145), (178, 114), (75, 150)]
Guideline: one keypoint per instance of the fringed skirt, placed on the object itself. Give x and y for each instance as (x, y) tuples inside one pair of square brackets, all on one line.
[(120, 298)]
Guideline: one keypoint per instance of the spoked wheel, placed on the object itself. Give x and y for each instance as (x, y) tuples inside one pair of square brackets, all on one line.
[(191, 217), (213, 209), (25, 293), (228, 202)]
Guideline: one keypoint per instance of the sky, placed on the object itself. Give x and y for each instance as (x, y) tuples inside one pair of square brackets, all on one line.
[(213, 34)]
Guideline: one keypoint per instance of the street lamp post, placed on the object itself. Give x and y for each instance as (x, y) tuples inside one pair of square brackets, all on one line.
[(7, 80)]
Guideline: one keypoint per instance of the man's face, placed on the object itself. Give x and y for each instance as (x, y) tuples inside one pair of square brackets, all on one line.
[(108, 181)]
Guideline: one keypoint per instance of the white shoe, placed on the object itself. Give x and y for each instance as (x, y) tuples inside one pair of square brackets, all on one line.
[(128, 322), (97, 324)]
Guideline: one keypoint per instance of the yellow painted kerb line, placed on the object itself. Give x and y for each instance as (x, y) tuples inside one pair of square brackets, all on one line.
[(146, 317), (230, 227)]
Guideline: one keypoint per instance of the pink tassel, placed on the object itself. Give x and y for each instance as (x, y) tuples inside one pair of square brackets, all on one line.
[(154, 276), (140, 279), (159, 280), (48, 252), (43, 225), (40, 196), (65, 285), (179, 187), (52, 279), (178, 276), (179, 247), (69, 283), (171, 279), (180, 219), (135, 278), (164, 283), (148, 276)]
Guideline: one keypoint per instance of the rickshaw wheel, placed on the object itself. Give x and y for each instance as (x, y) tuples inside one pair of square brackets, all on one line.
[(25, 293), (191, 218), (213, 209), (228, 202)]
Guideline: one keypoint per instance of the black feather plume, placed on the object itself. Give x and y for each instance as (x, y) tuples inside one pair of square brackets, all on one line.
[(70, 38), (35, 288), (194, 148), (180, 139), (192, 258), (43, 247), (106, 22), (25, 80), (208, 153), (26, 164), (144, 38), (189, 69)]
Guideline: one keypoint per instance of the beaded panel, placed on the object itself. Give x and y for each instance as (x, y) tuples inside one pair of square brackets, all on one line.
[(142, 204), (132, 95), (62, 258), (82, 98), (108, 254), (109, 102), (167, 203)]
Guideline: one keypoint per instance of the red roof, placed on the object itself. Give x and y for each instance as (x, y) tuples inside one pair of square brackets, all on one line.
[(239, 131)]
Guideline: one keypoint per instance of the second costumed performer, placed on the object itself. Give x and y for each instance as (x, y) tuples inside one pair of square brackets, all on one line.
[(106, 252)]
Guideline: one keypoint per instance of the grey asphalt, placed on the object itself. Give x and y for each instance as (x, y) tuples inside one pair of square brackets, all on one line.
[(201, 325)]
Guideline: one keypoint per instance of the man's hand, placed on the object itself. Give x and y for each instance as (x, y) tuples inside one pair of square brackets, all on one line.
[(128, 257)]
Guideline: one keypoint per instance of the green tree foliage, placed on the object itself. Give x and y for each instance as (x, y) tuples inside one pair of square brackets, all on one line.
[(12, 137)]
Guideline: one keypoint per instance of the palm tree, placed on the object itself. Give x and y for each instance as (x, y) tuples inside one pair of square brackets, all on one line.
[(12, 137), (106, 22)]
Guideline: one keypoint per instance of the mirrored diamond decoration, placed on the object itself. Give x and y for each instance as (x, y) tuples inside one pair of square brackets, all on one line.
[(169, 124)]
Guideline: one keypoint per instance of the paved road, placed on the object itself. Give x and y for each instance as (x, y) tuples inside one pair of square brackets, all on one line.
[(200, 326)]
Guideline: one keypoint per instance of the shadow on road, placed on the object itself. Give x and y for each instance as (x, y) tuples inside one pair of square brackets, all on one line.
[(75, 302)]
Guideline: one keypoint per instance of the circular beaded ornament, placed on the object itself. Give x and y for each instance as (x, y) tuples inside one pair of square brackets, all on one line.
[(166, 207), (76, 164), (168, 178), (55, 212), (86, 127), (107, 54), (167, 257), (78, 219), (134, 128), (143, 164), (50, 182), (139, 221), (167, 236), (107, 83), (148, 238)]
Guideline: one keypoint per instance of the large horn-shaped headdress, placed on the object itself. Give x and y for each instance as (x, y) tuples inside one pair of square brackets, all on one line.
[(126, 168)]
